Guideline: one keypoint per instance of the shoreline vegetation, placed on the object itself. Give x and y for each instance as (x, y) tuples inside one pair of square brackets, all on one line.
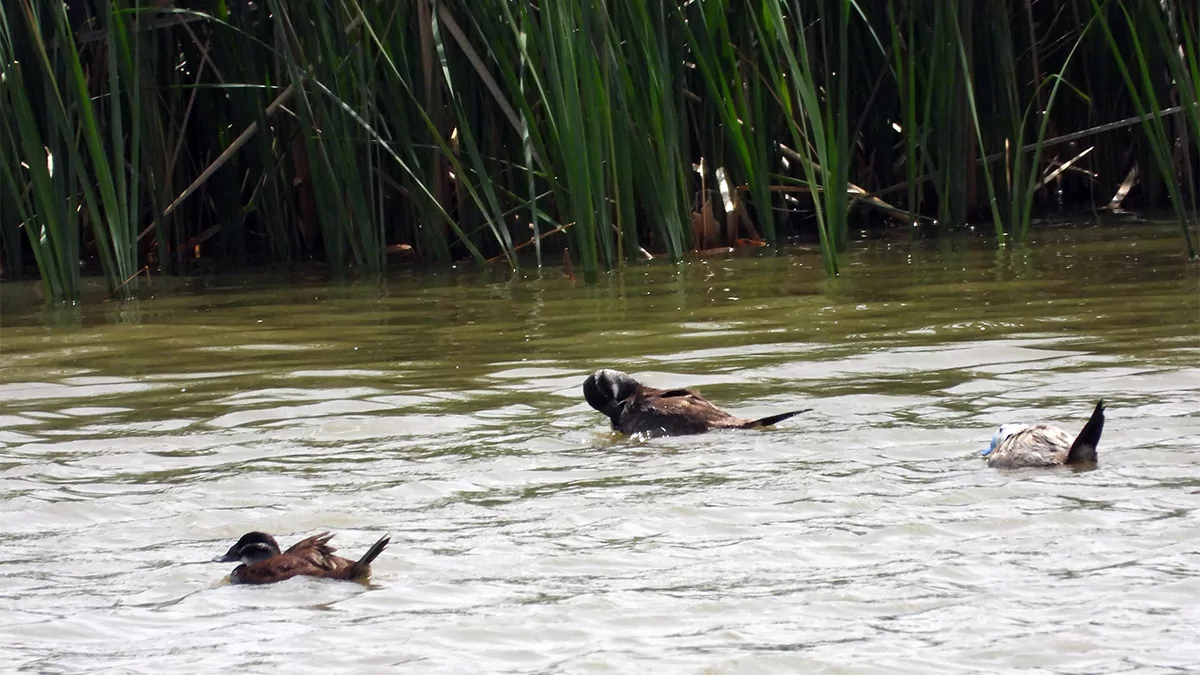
[(139, 135)]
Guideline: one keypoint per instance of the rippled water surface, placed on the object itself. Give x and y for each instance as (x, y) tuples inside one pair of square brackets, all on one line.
[(139, 440)]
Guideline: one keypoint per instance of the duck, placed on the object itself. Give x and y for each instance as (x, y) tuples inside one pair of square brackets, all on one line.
[(635, 408), (1022, 445), (263, 563)]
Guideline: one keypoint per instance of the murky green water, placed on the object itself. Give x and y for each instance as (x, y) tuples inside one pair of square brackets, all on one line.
[(139, 440)]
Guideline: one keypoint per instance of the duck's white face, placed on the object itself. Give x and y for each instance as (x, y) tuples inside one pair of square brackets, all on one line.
[(1002, 435)]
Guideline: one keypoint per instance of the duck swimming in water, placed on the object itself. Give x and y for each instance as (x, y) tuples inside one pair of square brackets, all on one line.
[(1020, 445), (263, 563), (637, 409)]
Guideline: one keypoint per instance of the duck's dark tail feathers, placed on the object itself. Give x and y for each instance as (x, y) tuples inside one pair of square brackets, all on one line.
[(362, 567), (773, 419), (1083, 450)]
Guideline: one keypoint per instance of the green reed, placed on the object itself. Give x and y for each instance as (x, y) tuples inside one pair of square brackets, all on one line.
[(1146, 85), (362, 133), (930, 65), (818, 124), (720, 44), (35, 145)]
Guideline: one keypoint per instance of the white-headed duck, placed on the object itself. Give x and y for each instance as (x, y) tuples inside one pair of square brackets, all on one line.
[(1021, 445)]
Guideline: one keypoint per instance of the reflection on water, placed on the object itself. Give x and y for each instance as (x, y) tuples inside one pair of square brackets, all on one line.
[(139, 439)]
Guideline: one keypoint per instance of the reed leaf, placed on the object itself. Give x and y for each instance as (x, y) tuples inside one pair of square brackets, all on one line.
[(1142, 92)]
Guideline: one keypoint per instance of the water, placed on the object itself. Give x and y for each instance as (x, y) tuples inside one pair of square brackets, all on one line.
[(139, 440)]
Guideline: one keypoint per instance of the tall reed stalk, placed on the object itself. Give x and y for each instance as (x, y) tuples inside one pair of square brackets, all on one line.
[(1146, 33), (818, 124)]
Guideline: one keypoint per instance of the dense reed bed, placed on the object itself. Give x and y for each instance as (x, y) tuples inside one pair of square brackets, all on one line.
[(138, 135)]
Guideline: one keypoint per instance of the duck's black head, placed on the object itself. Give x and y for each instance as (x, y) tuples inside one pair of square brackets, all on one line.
[(251, 548), (605, 389)]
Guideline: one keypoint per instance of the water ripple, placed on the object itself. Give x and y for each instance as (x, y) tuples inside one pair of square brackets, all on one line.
[(865, 535)]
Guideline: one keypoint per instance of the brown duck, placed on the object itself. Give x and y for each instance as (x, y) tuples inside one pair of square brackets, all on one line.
[(637, 409), (263, 563)]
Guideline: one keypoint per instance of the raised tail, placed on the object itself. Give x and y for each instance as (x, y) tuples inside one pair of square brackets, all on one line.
[(362, 567), (773, 419), (1083, 450)]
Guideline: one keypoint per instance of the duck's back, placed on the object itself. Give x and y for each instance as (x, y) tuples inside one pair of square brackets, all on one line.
[(1039, 445), (675, 412)]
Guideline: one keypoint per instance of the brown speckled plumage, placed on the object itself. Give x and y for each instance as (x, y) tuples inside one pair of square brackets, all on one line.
[(1039, 445), (1044, 445)]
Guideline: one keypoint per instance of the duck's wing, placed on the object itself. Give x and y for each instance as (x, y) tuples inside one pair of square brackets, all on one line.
[(317, 552), (688, 403), (1039, 445), (317, 541), (670, 412)]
